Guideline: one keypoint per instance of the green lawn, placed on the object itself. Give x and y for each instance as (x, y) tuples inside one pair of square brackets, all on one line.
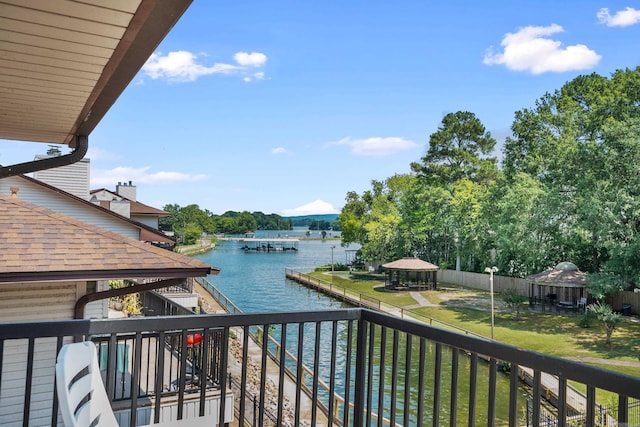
[(549, 333)]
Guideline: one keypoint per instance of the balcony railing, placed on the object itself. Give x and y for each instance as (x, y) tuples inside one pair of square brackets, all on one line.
[(351, 367)]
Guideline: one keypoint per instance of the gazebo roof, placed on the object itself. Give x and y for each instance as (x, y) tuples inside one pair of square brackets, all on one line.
[(414, 264), (565, 274)]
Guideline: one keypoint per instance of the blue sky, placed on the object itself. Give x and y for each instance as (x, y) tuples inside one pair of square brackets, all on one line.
[(285, 106)]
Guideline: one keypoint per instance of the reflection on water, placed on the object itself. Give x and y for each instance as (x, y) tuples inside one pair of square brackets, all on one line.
[(255, 282)]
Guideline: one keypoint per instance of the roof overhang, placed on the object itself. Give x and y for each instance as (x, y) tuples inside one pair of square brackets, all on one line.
[(91, 275), (64, 64)]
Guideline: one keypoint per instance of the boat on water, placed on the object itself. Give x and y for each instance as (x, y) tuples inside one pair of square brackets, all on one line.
[(269, 245)]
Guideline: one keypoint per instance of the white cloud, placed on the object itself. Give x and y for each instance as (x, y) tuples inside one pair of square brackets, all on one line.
[(318, 207), (530, 49), (139, 175), (279, 150), (376, 146), (255, 76), (94, 153), (183, 66), (253, 59), (622, 18)]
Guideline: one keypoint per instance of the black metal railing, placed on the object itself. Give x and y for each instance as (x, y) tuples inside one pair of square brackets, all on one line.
[(353, 367), (184, 354)]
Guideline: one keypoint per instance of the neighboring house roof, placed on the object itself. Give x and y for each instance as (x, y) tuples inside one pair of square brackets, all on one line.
[(565, 274), (147, 233), (141, 209), (414, 264), (39, 244), (66, 63), (136, 208)]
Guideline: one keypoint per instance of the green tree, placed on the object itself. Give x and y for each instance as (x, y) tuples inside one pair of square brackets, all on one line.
[(609, 319), (582, 143), (602, 285), (515, 301), (245, 222), (459, 150), (192, 232), (353, 218)]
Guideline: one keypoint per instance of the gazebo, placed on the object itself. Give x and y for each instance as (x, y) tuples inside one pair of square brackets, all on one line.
[(408, 273), (564, 286)]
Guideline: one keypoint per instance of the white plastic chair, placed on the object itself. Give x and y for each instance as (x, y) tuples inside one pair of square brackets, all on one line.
[(83, 399), (582, 303)]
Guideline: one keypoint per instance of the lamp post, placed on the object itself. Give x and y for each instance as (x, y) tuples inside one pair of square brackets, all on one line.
[(491, 271), (332, 248)]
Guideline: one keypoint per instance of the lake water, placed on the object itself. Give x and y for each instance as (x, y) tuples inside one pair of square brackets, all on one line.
[(255, 282)]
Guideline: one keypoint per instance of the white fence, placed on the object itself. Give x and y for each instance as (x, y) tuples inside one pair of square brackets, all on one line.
[(480, 281)]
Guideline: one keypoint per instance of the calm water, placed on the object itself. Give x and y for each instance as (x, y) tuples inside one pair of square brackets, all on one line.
[(255, 282)]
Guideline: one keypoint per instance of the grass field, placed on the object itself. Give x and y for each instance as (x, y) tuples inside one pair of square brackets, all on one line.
[(550, 333)]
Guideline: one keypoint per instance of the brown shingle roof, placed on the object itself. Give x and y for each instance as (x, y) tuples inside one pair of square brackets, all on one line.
[(564, 275), (147, 233), (37, 244), (410, 264), (136, 208)]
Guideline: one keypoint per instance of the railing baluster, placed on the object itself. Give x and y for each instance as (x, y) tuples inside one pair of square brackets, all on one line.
[(381, 375), (332, 373), (536, 398), (513, 395), (28, 382), (623, 409), (453, 409), (111, 365), (135, 380), (282, 359), (437, 385), (473, 386), (370, 367), (491, 412), (54, 409), (360, 373), (243, 375), (394, 378), (407, 382), (263, 372), (591, 406), (204, 354), (347, 375), (160, 351), (421, 372), (316, 373), (224, 354), (299, 372), (562, 402)]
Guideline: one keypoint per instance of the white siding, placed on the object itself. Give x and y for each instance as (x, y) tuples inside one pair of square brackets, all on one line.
[(98, 309), (72, 178), (151, 221), (122, 207), (21, 302), (41, 196)]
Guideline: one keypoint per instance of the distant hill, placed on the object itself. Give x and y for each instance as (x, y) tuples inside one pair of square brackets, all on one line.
[(322, 217)]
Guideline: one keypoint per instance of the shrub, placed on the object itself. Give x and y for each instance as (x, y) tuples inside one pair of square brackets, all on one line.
[(587, 319)]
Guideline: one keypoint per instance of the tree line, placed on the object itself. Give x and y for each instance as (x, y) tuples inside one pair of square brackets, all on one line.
[(190, 222), (567, 189)]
